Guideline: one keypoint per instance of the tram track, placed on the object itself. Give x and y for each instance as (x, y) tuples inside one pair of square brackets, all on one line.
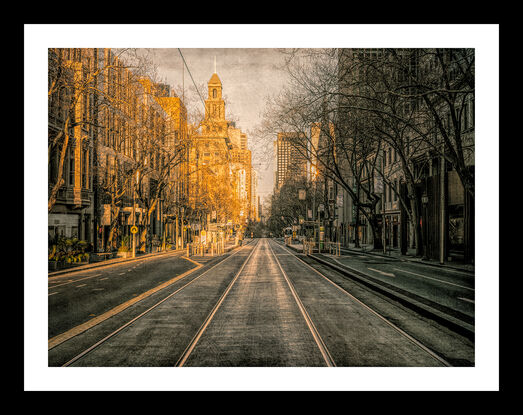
[(327, 358), (403, 333), (228, 296), (111, 335)]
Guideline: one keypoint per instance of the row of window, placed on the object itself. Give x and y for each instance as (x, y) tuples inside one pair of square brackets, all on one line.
[(70, 170)]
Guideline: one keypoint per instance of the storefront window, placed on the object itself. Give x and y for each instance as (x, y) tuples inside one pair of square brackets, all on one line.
[(456, 227)]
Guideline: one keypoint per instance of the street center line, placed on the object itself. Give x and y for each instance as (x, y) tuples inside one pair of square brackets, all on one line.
[(466, 299), (52, 293), (435, 279), (388, 274), (71, 281)]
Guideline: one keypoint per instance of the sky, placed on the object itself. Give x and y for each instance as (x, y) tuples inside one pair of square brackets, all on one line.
[(248, 76)]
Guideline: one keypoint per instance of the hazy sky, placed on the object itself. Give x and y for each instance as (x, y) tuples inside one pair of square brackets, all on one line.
[(247, 75)]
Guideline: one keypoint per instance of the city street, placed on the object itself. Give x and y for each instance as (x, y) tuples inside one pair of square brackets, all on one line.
[(261, 305), (252, 206)]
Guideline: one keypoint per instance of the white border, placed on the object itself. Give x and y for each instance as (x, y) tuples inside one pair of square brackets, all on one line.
[(484, 38)]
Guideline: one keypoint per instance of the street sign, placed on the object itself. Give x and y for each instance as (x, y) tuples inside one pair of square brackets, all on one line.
[(134, 229)]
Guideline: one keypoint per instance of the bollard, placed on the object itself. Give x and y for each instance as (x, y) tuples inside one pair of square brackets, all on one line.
[(188, 250)]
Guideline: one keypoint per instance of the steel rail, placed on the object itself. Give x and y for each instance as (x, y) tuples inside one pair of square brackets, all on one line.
[(310, 324), (374, 312), (112, 334), (192, 344)]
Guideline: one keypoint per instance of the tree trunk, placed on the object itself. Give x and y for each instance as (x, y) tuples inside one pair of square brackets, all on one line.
[(357, 228), (114, 225)]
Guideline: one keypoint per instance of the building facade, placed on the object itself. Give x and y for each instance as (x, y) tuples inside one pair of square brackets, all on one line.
[(291, 157), (120, 136)]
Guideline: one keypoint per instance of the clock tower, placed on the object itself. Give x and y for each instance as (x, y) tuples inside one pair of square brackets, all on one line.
[(215, 123)]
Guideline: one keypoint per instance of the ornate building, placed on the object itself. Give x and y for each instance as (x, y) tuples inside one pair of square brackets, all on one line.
[(219, 166)]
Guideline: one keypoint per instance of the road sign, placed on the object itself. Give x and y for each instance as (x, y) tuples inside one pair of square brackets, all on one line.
[(134, 229)]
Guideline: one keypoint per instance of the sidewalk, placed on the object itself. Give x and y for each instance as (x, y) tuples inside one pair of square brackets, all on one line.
[(411, 256), (396, 253), (228, 246)]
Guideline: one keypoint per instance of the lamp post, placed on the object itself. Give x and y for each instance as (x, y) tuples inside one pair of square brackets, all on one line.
[(134, 210)]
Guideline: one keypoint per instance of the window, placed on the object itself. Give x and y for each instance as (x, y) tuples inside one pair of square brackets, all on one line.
[(107, 169), (85, 160), (71, 167), (214, 93)]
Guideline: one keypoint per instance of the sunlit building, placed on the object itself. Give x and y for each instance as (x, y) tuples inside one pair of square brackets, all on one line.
[(71, 115)]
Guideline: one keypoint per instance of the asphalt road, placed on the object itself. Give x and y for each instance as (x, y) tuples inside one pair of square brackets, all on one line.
[(77, 297), (259, 306), (444, 286)]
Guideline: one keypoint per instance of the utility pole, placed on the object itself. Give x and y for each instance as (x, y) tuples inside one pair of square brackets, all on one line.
[(383, 204), (442, 208), (134, 220)]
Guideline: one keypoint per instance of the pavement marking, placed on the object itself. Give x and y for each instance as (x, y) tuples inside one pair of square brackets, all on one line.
[(106, 278), (388, 274), (81, 285), (115, 264), (98, 289), (435, 279), (55, 341), (53, 293), (121, 273), (466, 299), (71, 281)]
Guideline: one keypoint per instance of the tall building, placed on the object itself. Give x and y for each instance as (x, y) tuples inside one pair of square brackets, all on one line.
[(121, 143), (435, 208), (291, 160), (71, 101), (219, 164)]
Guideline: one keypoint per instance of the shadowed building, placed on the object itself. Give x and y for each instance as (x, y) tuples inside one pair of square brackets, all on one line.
[(291, 160)]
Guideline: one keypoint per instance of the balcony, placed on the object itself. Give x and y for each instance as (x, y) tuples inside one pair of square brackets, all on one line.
[(74, 197)]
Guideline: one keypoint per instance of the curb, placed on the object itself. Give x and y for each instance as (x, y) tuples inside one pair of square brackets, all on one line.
[(446, 320)]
